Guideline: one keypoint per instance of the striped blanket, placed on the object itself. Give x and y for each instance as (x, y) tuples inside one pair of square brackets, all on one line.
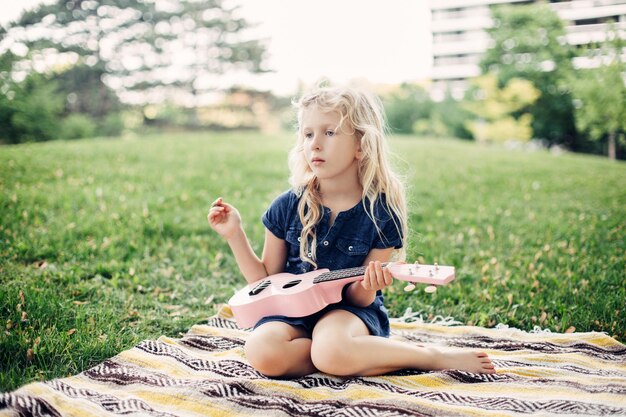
[(205, 373)]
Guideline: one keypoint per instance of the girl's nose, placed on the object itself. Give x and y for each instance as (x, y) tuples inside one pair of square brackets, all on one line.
[(316, 141)]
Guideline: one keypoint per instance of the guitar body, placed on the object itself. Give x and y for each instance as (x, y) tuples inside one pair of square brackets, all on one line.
[(281, 298), (304, 294)]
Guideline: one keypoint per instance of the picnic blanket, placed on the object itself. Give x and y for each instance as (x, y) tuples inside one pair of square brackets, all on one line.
[(205, 373)]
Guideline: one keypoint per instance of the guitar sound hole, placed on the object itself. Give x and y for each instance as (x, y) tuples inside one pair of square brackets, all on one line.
[(292, 283), (260, 287)]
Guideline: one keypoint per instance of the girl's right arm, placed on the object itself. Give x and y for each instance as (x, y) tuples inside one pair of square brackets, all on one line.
[(226, 221)]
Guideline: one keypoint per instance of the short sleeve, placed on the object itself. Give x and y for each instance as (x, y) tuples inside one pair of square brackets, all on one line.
[(391, 232), (276, 217)]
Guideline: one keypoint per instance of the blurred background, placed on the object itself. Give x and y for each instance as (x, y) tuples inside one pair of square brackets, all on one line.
[(527, 74)]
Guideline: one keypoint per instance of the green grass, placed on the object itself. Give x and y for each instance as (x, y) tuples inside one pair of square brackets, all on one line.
[(104, 243)]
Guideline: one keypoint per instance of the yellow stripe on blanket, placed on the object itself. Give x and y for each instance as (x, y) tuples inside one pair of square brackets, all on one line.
[(205, 373)]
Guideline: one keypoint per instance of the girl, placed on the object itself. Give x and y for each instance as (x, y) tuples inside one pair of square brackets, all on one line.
[(346, 208)]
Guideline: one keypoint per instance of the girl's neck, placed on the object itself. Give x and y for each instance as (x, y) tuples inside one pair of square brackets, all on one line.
[(339, 197)]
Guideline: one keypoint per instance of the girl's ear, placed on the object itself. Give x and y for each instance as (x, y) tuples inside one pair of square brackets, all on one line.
[(359, 149)]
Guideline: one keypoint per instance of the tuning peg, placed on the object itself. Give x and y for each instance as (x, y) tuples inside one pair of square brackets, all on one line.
[(430, 289), (436, 266), (430, 272), (409, 287)]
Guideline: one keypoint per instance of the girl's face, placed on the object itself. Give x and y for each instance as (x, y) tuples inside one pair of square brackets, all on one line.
[(332, 151)]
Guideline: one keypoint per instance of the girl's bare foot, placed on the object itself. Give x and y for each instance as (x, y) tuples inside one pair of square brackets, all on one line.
[(464, 360)]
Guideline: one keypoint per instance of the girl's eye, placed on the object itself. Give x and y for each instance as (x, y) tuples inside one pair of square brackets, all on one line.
[(330, 133), (308, 135)]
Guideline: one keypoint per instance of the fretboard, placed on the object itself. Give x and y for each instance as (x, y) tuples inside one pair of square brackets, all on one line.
[(341, 274)]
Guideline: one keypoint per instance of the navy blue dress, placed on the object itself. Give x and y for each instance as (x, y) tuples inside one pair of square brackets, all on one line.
[(344, 245)]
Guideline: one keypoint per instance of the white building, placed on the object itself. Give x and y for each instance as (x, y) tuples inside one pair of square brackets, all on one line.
[(460, 39)]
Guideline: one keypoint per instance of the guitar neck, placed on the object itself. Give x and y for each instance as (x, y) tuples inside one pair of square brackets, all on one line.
[(341, 274)]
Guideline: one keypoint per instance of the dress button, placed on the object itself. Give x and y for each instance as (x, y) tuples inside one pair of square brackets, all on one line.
[(325, 243), (350, 248), (310, 255), (299, 239), (303, 269)]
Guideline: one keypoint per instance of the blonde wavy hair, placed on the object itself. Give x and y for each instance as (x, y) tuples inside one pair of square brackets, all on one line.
[(364, 113)]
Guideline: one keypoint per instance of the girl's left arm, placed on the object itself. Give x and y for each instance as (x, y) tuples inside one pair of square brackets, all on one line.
[(362, 293)]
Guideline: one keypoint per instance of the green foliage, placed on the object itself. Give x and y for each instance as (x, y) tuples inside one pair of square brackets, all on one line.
[(105, 39), (495, 108), (95, 259), (78, 126), (212, 38), (452, 115), (409, 109), (600, 109), (30, 110), (404, 106), (111, 125), (166, 114), (85, 92), (530, 43)]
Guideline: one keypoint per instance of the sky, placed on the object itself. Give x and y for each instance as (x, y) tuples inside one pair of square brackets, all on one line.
[(377, 41)]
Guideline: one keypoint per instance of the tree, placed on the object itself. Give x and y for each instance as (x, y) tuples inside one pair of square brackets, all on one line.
[(501, 111), (84, 91), (146, 51), (529, 43), (49, 105), (600, 94), (452, 115), (405, 105), (30, 110)]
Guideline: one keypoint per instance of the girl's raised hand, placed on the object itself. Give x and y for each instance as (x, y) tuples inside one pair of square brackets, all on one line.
[(376, 277), (224, 219)]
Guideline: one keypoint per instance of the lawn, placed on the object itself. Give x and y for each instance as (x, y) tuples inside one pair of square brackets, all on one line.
[(104, 243)]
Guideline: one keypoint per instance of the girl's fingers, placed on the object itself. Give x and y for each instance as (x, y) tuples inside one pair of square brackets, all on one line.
[(376, 277), (216, 214), (388, 277), (366, 278), (378, 272), (219, 203), (381, 275)]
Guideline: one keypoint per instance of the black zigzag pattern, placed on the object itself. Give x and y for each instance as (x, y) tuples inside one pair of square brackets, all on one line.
[(108, 402), (25, 406), (468, 378), (229, 368), (566, 407), (335, 408), (244, 395), (508, 345), (503, 364), (212, 343), (247, 395), (222, 323), (121, 374)]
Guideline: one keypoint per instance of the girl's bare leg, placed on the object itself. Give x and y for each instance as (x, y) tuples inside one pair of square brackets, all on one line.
[(277, 349), (342, 345)]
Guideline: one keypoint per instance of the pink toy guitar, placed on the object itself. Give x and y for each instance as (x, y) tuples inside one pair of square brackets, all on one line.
[(301, 295)]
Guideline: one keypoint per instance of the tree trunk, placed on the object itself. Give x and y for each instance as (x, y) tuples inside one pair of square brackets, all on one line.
[(611, 152)]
